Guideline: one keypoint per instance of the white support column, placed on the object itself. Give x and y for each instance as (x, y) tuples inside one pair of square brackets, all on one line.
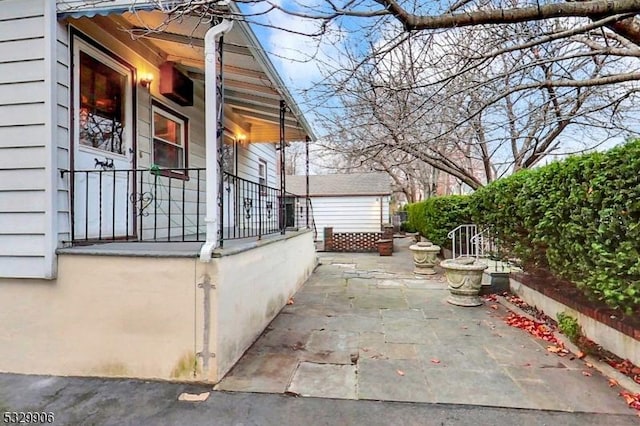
[(212, 173)]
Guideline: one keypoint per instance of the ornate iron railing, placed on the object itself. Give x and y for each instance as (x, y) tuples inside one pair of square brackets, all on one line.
[(168, 205)]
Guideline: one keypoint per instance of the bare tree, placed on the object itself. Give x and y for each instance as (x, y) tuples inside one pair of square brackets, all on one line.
[(295, 158), (443, 14), (476, 105)]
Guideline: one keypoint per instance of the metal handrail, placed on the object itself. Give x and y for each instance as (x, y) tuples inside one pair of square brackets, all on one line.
[(460, 238)]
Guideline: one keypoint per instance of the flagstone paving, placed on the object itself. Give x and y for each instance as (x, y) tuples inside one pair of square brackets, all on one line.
[(365, 327)]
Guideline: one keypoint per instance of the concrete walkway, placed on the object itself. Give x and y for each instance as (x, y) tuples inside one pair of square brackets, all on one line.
[(365, 327)]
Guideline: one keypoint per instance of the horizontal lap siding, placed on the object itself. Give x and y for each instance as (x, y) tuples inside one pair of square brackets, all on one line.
[(63, 137), (248, 160), (348, 214), (23, 139)]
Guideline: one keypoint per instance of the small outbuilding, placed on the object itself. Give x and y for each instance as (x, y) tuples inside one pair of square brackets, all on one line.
[(354, 202)]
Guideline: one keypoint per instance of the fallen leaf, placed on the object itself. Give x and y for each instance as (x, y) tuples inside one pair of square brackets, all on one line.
[(588, 365), (580, 355), (528, 364), (632, 400), (290, 301), (613, 382), (400, 372), (554, 349), (494, 307), (586, 373), (193, 397), (435, 361)]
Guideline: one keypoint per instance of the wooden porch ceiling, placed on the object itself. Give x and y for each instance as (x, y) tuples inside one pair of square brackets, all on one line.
[(251, 91)]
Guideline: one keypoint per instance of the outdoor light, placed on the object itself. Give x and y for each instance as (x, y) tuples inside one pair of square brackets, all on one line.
[(146, 79)]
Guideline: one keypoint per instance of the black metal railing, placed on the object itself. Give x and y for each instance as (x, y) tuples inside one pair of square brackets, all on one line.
[(137, 204), (160, 205), (251, 209)]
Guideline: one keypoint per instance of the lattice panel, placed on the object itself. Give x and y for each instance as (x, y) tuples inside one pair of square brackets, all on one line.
[(355, 241)]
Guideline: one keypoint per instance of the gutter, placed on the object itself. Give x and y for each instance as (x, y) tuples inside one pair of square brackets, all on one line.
[(212, 172)]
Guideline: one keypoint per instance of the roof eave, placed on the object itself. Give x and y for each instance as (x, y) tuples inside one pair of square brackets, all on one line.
[(271, 72)]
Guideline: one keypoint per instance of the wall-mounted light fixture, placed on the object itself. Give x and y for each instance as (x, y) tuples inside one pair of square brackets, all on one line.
[(242, 139), (146, 79)]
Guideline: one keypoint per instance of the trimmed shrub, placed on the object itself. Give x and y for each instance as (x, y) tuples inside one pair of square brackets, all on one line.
[(436, 216), (579, 217)]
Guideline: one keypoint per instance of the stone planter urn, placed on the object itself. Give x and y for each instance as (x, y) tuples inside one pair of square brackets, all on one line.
[(424, 257), (464, 279)]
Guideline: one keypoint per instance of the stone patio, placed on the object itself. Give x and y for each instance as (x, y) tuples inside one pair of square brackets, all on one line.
[(366, 327)]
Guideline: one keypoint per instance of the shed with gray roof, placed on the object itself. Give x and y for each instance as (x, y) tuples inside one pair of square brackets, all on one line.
[(354, 202)]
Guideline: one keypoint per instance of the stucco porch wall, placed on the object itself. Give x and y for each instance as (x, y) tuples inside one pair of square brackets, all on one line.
[(252, 286), (142, 314), (104, 316)]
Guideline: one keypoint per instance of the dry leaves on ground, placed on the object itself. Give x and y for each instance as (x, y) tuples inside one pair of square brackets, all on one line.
[(400, 372), (535, 328), (626, 367), (490, 297), (632, 400), (558, 350)]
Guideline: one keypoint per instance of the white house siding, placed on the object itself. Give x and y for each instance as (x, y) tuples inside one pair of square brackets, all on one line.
[(350, 213), (248, 160), (62, 93), (258, 217), (28, 114)]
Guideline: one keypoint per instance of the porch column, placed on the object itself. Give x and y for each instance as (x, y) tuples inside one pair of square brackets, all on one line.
[(283, 186), (306, 150), (212, 126)]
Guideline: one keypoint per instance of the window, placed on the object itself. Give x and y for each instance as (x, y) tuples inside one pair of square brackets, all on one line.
[(169, 139), (102, 105), (262, 172), (262, 176)]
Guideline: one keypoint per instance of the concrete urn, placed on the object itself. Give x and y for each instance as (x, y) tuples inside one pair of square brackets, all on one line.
[(424, 257), (464, 279)]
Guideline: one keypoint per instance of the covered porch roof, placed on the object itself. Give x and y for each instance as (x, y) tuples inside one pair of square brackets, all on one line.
[(253, 88)]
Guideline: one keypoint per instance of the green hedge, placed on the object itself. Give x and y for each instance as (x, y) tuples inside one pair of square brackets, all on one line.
[(579, 218), (436, 216)]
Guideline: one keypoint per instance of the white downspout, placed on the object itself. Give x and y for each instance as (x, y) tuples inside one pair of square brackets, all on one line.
[(211, 137)]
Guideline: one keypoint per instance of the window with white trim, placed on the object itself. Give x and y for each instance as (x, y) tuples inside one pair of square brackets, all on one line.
[(262, 176), (262, 172), (169, 138)]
